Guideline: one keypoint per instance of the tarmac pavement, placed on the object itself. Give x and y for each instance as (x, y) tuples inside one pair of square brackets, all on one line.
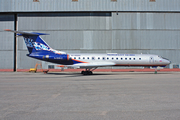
[(102, 96)]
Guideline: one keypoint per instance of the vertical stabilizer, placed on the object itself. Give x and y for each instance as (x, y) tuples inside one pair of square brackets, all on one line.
[(35, 43)]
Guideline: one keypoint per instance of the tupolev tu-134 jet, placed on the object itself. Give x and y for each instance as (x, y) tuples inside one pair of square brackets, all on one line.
[(40, 50)]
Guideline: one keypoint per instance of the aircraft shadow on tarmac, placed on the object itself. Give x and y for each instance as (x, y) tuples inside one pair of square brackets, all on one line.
[(108, 73), (79, 74)]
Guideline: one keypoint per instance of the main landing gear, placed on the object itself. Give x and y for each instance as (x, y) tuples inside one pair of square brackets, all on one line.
[(88, 71)]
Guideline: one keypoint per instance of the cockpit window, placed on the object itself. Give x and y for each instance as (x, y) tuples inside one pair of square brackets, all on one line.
[(163, 58)]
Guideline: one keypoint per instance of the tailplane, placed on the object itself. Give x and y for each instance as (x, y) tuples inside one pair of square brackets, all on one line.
[(35, 43)]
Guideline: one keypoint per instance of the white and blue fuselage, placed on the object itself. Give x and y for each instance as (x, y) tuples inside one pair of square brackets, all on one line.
[(115, 59), (39, 49)]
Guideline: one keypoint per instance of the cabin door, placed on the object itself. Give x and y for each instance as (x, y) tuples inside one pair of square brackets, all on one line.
[(151, 60)]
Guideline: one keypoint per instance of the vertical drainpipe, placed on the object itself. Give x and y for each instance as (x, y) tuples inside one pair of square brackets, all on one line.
[(15, 43)]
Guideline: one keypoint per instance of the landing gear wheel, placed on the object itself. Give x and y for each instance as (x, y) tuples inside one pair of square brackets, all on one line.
[(82, 72), (86, 72), (90, 73)]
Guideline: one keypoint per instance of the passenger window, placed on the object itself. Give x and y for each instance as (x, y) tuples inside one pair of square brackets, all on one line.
[(74, 57), (121, 58), (134, 58), (103, 58), (93, 58), (112, 58), (79, 58), (107, 58), (83, 57), (116, 58), (87, 57), (125, 58), (139, 58), (129, 58), (98, 58)]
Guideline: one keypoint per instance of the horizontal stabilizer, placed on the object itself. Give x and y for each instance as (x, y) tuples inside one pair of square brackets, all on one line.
[(20, 33)]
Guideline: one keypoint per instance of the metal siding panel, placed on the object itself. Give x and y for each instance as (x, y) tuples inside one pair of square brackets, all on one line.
[(144, 39), (7, 39), (146, 21), (102, 40), (64, 40), (64, 21), (95, 51), (6, 59), (7, 42), (25, 62), (88, 5), (6, 22)]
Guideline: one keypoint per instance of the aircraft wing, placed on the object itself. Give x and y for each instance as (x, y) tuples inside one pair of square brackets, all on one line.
[(92, 65)]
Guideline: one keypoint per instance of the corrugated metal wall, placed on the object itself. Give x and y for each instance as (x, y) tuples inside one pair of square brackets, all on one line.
[(7, 42), (125, 32), (70, 32), (92, 26), (88, 5)]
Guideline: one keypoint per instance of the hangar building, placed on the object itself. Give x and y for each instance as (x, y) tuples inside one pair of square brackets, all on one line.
[(91, 26)]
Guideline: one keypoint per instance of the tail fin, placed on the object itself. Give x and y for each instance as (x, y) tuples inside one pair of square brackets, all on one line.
[(34, 42)]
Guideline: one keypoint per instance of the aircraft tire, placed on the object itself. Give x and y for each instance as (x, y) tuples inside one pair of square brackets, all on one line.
[(85, 73), (82, 72), (90, 72)]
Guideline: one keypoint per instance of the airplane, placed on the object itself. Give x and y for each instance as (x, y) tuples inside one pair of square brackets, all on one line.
[(40, 50)]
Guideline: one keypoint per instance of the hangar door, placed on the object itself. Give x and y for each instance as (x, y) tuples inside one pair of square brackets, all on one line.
[(69, 32), (7, 43)]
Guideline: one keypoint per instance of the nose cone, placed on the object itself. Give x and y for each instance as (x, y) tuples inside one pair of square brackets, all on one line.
[(167, 62)]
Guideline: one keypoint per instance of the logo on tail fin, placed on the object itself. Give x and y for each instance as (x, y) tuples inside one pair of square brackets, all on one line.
[(29, 42), (38, 46)]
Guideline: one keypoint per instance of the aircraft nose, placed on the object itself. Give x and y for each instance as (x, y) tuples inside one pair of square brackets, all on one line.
[(168, 62)]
